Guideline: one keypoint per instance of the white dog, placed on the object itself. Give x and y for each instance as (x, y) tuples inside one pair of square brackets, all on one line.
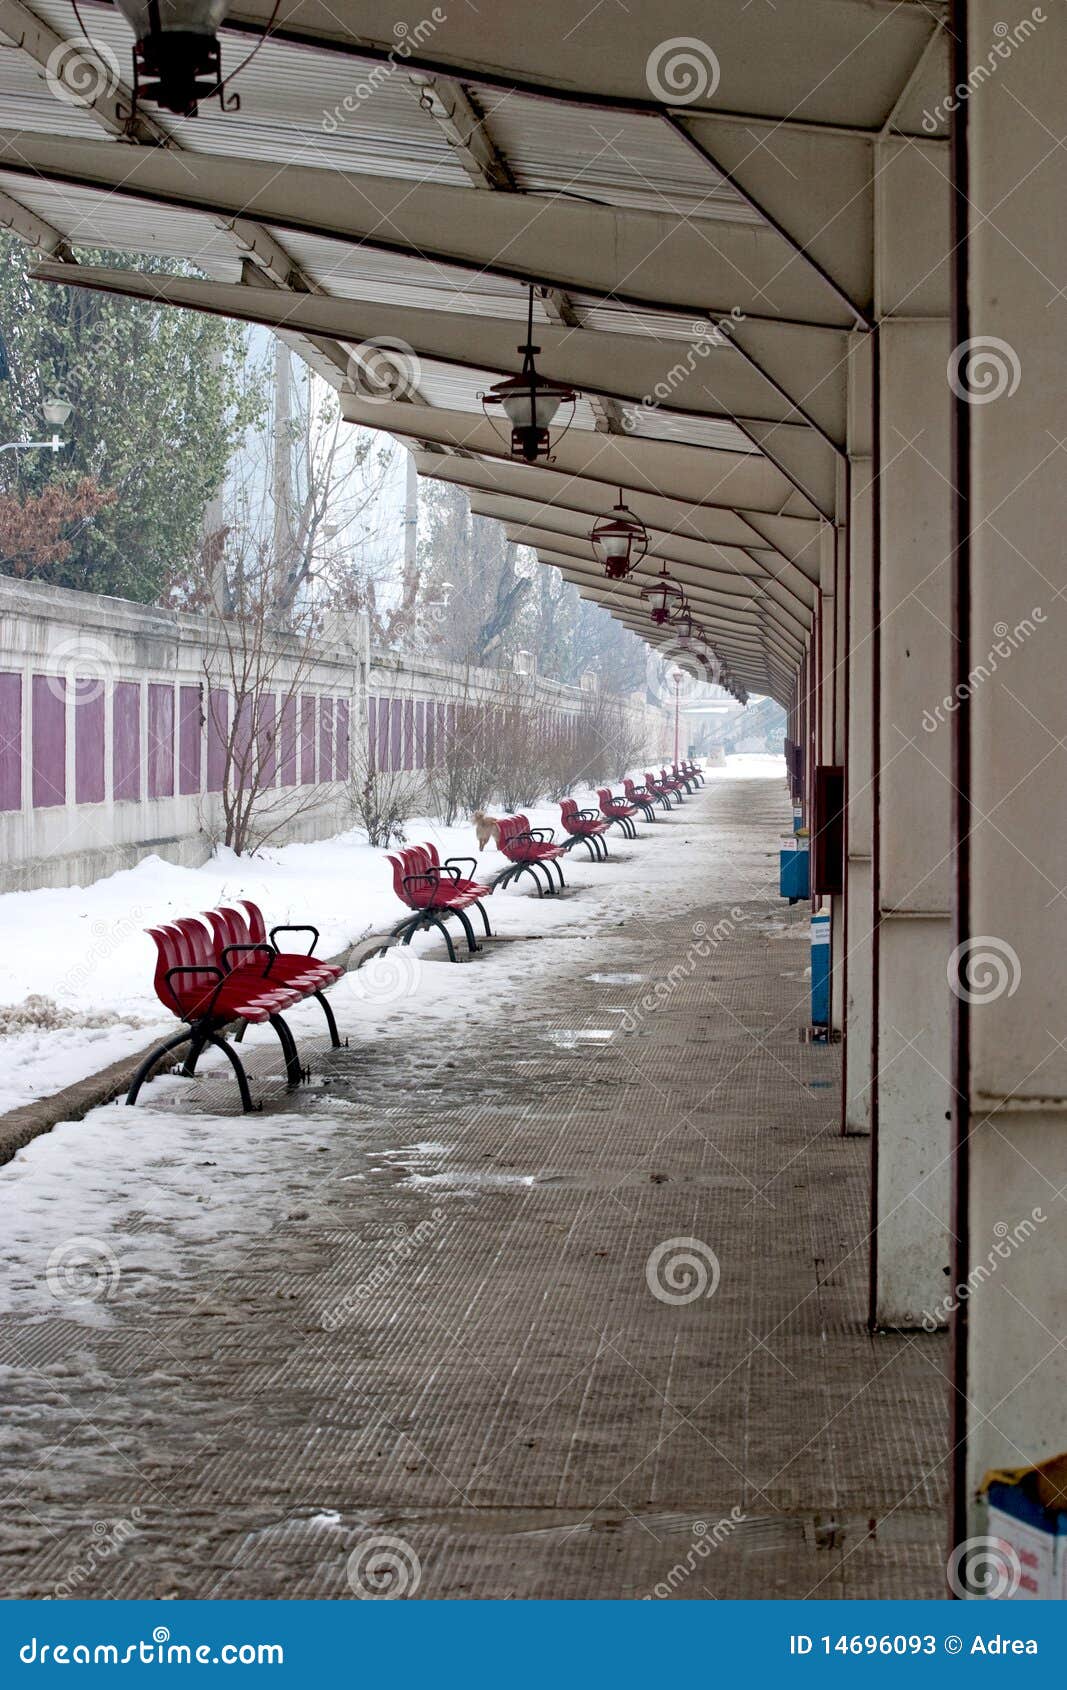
[(486, 828)]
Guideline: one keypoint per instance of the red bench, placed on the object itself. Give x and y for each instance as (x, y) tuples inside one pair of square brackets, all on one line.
[(435, 890), (618, 811), (529, 849), (660, 790), (694, 771), (641, 798), (201, 979), (240, 929), (584, 827), (681, 773), (673, 783)]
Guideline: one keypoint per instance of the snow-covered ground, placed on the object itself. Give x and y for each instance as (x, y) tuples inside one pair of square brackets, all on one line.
[(76, 965)]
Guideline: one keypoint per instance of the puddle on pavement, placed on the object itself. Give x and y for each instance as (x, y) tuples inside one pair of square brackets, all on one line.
[(569, 1038), (616, 979), (465, 1179)]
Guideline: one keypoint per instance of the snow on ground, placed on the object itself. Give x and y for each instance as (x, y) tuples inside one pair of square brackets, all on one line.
[(164, 1182), (76, 965)]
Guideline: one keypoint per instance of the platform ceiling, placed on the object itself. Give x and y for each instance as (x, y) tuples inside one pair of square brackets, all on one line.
[(690, 186)]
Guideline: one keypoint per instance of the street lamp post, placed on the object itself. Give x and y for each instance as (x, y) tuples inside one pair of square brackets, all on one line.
[(55, 412), (677, 678), (52, 445)]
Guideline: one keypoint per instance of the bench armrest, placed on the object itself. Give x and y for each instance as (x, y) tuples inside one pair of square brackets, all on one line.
[(262, 948), (454, 862), (300, 927), (430, 876), (195, 968), (538, 833), (589, 815)]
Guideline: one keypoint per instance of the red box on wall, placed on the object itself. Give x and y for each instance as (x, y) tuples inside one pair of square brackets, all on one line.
[(828, 831)]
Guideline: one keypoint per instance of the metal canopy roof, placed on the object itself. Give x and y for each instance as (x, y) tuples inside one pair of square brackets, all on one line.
[(400, 174)]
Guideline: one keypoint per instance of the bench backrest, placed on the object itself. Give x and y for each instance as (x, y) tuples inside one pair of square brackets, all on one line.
[(183, 944), (237, 924), (413, 860), (510, 827)]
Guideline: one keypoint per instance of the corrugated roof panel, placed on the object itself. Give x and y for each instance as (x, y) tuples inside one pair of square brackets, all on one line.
[(361, 272), (27, 102), (91, 219), (611, 318), (296, 106), (652, 424), (613, 157)]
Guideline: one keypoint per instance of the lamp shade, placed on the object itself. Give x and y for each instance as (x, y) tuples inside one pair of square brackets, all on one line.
[(176, 55), (619, 541), (530, 401), (169, 17), (663, 597)]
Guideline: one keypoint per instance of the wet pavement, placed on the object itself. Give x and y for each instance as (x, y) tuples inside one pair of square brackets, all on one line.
[(566, 1300)]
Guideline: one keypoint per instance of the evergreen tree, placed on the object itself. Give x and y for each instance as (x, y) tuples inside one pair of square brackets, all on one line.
[(157, 410)]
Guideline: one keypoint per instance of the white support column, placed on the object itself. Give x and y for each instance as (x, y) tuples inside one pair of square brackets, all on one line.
[(912, 850), (859, 835), (839, 707), (1011, 1069)]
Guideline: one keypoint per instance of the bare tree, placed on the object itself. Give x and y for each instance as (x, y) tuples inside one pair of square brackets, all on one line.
[(255, 678)]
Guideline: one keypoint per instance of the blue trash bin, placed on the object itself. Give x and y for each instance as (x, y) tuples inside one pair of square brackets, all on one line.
[(793, 866), (820, 972)]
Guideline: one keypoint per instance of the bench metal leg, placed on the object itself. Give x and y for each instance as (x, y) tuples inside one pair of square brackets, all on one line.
[(480, 907), (293, 1071), (150, 1061), (432, 921), (547, 866), (472, 943), (528, 868), (196, 1046), (327, 1010), (234, 1060)]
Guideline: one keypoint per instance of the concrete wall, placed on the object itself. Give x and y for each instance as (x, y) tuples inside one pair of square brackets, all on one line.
[(113, 730)]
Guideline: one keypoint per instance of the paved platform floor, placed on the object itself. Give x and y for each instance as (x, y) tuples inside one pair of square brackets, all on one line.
[(575, 1311)]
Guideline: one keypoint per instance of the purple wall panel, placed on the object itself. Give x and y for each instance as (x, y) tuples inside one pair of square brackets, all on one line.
[(267, 736), (48, 731), (383, 733), (420, 735), (241, 744), (126, 740), (90, 702), (342, 751), (307, 741), (218, 729), (325, 738), (160, 740), (49, 701), (10, 742), (190, 740), (287, 742), (396, 729), (409, 733), (372, 732), (431, 723)]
